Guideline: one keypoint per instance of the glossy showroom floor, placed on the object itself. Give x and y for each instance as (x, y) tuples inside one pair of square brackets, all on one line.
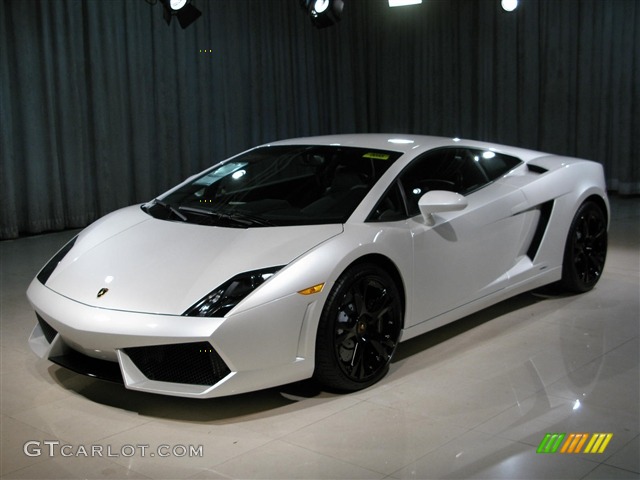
[(471, 400)]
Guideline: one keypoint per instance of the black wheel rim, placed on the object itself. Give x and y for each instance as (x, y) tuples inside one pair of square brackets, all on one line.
[(589, 247), (366, 328)]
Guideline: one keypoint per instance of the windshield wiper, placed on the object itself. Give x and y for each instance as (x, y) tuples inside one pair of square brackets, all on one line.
[(255, 219), (239, 218), (171, 208)]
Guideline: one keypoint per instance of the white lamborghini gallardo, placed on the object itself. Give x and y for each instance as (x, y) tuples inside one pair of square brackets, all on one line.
[(314, 257)]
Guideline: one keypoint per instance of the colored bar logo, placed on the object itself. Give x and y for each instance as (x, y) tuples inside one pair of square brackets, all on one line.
[(574, 443)]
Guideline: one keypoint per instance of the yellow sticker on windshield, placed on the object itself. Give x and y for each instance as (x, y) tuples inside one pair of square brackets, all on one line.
[(376, 156)]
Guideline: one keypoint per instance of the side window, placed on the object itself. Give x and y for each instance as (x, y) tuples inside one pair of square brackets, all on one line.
[(471, 176), (450, 169), (459, 170), (390, 207), (432, 171), (495, 164)]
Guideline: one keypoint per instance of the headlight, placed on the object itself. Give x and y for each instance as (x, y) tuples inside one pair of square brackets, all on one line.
[(229, 294), (48, 269)]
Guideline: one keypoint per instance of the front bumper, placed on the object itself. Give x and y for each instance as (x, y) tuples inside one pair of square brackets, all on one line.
[(175, 355)]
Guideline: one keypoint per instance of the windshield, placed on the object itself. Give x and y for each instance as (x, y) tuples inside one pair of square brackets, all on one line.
[(281, 185)]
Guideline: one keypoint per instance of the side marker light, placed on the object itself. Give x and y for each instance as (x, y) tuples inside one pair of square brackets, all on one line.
[(311, 290)]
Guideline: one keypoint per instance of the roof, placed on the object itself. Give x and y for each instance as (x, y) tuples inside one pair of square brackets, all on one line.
[(406, 143)]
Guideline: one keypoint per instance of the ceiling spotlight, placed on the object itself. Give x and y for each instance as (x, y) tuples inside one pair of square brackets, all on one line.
[(323, 13), (186, 13), (509, 5), (403, 3)]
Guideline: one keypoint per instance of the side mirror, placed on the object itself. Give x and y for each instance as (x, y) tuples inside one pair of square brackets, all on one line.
[(437, 201)]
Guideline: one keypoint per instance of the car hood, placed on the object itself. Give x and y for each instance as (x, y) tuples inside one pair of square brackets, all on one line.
[(164, 267)]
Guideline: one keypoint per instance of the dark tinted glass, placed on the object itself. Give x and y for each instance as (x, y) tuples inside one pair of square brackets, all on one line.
[(280, 185), (460, 170), (496, 164)]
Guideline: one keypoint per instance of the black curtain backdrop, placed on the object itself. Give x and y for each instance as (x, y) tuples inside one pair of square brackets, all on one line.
[(104, 105)]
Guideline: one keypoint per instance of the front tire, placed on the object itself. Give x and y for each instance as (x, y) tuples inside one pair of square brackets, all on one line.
[(358, 330), (586, 249)]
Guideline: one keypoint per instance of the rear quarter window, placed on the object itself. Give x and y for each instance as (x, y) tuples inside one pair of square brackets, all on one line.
[(496, 164)]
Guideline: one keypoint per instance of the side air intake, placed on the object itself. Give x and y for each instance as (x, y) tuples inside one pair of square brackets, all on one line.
[(536, 168), (543, 222)]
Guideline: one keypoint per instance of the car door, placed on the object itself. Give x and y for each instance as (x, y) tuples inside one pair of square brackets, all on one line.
[(464, 255)]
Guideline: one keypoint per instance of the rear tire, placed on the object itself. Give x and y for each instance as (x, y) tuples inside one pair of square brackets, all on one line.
[(585, 250), (358, 330)]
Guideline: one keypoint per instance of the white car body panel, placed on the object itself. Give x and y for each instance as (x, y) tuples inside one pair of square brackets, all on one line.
[(163, 248), (155, 270)]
